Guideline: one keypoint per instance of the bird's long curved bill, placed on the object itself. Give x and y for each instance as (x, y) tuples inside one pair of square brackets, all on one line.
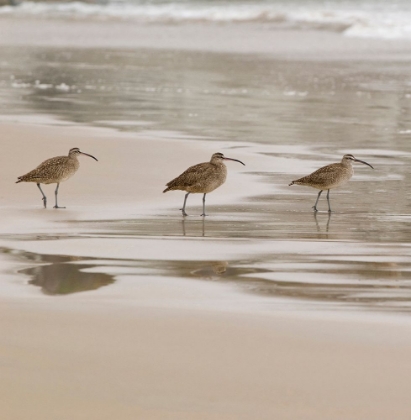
[(89, 155), (235, 160), (365, 163)]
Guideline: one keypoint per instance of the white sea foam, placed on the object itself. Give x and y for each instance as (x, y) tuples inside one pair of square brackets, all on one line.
[(367, 18)]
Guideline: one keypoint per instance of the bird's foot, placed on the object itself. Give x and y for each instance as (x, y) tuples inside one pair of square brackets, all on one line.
[(44, 202), (183, 212), (329, 211), (315, 209), (203, 215), (58, 207)]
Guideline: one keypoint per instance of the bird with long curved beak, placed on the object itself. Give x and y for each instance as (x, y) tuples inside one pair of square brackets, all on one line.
[(202, 178), (330, 176), (54, 171)]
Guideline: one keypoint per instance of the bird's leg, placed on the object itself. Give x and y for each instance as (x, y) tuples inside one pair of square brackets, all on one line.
[(204, 214), (184, 205), (44, 197), (328, 199), (55, 193), (318, 197)]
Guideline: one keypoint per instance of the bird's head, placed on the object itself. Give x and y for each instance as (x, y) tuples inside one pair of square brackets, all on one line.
[(75, 151), (349, 159), (219, 158)]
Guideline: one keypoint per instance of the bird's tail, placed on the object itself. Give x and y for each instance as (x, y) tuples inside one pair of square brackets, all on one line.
[(167, 189), (292, 183), (19, 180)]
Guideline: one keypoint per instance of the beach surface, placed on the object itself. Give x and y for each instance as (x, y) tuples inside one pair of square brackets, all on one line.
[(118, 307)]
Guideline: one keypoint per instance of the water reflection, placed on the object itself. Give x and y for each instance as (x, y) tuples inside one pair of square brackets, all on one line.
[(327, 226), (212, 270), (270, 224), (196, 228), (353, 279), (371, 284), (59, 276)]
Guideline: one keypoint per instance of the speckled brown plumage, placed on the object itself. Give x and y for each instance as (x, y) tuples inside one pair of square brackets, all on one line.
[(54, 171), (201, 178), (330, 176), (327, 177)]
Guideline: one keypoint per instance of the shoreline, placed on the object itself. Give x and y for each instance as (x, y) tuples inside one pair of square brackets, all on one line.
[(249, 39), (126, 220)]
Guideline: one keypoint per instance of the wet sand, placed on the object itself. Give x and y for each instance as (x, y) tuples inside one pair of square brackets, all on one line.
[(119, 307)]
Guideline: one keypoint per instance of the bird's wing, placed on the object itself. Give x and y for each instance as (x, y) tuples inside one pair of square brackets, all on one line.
[(191, 176), (52, 163), (325, 175), (49, 166)]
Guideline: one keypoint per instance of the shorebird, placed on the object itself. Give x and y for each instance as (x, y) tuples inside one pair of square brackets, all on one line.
[(330, 176), (202, 178), (54, 171)]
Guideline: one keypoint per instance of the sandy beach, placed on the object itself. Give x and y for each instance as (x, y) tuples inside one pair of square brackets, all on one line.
[(117, 307)]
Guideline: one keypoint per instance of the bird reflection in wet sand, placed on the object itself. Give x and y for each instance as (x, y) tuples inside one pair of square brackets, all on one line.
[(327, 226), (214, 269), (65, 278), (192, 233)]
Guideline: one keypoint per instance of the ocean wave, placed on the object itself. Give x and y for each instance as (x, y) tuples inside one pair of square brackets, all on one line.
[(355, 19)]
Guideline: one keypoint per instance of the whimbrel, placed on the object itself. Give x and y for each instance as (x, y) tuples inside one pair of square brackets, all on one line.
[(54, 171), (202, 178), (330, 176)]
